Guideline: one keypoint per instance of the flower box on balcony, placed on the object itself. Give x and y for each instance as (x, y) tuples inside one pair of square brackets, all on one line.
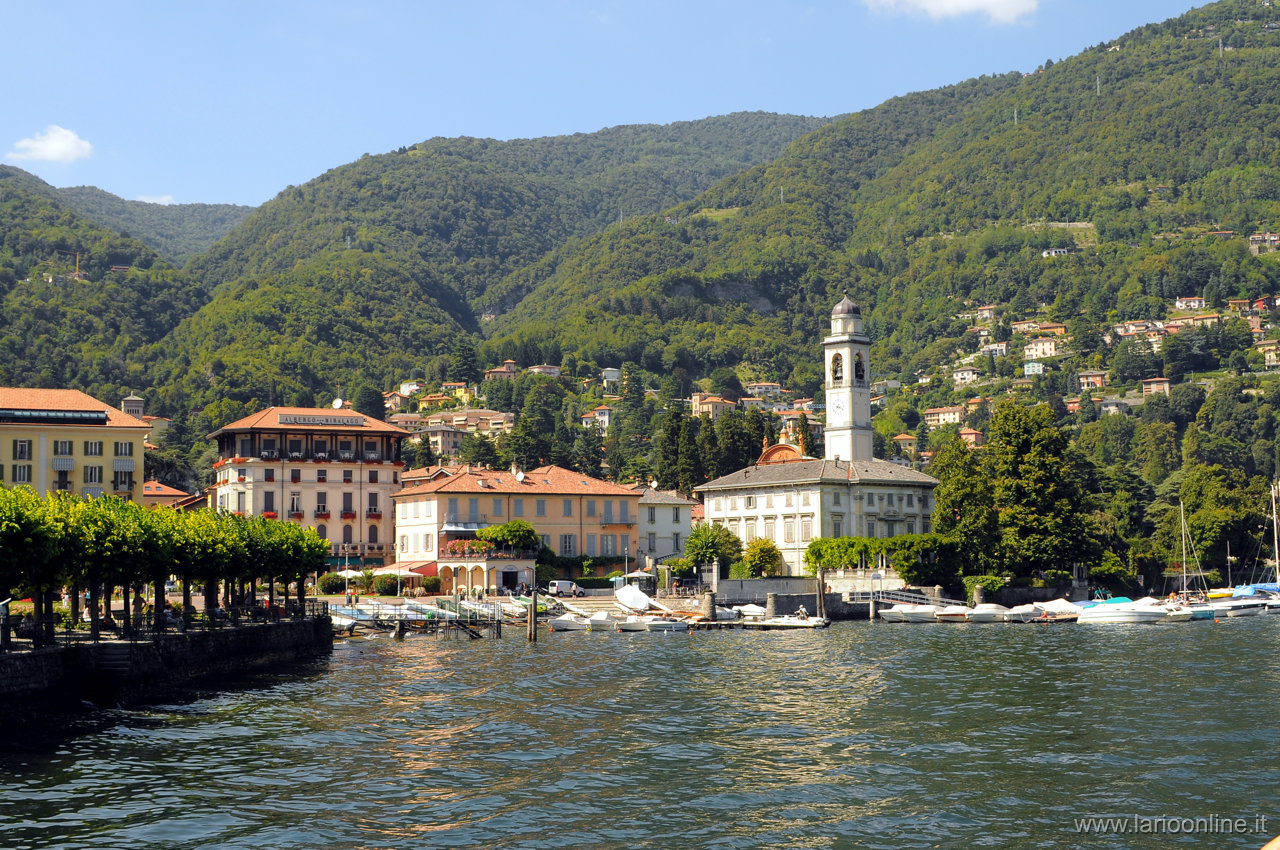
[(348, 514), (322, 515), (374, 515), (295, 514), (270, 515), (240, 479)]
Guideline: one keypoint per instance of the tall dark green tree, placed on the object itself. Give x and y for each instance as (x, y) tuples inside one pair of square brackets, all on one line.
[(588, 451), (1039, 496), (464, 365), (690, 472), (368, 400), (667, 468), (808, 446), (708, 447), (964, 509), (737, 448)]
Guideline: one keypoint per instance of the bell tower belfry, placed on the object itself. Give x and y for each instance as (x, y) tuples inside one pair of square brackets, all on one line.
[(846, 353)]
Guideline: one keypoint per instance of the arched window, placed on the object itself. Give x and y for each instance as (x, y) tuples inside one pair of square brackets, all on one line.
[(859, 373), (837, 368), (373, 534), (323, 532), (346, 534)]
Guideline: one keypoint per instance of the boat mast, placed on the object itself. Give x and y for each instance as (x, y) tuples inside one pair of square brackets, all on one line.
[(1182, 515), (1275, 531)]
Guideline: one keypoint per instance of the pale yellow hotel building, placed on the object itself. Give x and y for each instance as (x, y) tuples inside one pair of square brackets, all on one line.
[(68, 441)]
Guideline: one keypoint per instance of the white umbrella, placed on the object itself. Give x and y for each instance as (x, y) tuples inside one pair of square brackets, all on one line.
[(350, 573)]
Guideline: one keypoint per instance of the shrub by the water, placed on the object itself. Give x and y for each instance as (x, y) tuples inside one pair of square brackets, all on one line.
[(331, 583), (387, 585)]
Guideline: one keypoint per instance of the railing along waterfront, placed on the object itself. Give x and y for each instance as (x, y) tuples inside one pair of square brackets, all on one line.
[(147, 626)]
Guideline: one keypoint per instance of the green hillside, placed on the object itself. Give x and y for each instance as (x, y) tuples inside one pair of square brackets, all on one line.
[(176, 231), (1130, 151), (90, 333), (375, 266)]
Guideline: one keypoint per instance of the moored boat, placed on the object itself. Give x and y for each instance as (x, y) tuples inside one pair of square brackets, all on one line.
[(953, 614), (1057, 611), (921, 614), (666, 624), (987, 612), (602, 621), (632, 623), (567, 623), (1123, 610)]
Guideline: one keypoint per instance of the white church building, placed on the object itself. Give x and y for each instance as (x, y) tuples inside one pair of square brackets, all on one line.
[(792, 499)]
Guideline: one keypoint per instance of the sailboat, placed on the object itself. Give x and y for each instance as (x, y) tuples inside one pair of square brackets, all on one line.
[(1199, 608)]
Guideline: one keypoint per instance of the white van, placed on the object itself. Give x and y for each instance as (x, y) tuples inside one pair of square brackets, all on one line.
[(564, 588)]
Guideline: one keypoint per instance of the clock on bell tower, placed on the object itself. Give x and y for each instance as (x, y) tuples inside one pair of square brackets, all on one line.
[(848, 388)]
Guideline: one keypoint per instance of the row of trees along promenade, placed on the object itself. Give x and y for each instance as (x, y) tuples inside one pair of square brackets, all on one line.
[(98, 545)]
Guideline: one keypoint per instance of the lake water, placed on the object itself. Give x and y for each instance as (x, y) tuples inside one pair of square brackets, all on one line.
[(864, 735)]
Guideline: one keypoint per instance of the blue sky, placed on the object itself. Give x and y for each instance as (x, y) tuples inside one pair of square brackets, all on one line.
[(231, 102)]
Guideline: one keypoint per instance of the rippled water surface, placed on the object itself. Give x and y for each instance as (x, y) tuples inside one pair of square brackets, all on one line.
[(865, 735)]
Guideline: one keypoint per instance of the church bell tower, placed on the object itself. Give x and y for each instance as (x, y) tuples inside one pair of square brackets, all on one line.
[(846, 353)]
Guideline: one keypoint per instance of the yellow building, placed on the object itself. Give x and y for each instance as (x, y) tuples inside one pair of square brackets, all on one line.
[(572, 513), (68, 441)]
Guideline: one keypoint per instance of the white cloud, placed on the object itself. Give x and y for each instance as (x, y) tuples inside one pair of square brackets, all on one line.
[(55, 144), (1000, 11), (155, 199)]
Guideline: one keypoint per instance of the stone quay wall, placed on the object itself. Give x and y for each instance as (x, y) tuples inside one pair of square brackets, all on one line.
[(112, 672)]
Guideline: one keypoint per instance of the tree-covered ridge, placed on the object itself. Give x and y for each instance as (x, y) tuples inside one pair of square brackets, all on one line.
[(176, 231), (936, 199), (301, 336), (476, 209), (88, 333)]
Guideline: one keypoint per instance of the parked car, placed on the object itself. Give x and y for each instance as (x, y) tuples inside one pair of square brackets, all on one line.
[(565, 588)]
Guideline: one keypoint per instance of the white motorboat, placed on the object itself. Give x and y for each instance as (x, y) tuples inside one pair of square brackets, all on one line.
[(1238, 606), (632, 623), (794, 621), (750, 611), (896, 613), (987, 612), (921, 614), (953, 614), (567, 623), (1057, 611), (1022, 613), (602, 621), (1122, 609), (666, 624)]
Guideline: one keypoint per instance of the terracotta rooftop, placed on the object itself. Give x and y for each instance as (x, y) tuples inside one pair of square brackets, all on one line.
[(18, 398), (547, 480), (322, 419)]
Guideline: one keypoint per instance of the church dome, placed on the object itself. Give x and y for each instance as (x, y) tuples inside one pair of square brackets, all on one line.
[(845, 308)]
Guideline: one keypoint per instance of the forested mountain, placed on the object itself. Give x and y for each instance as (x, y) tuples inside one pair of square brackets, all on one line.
[(60, 331), (374, 267), (177, 231), (942, 198), (1128, 153)]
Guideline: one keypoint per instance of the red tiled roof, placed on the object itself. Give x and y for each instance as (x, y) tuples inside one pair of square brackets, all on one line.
[(155, 488), (19, 398), (548, 480), (269, 419)]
